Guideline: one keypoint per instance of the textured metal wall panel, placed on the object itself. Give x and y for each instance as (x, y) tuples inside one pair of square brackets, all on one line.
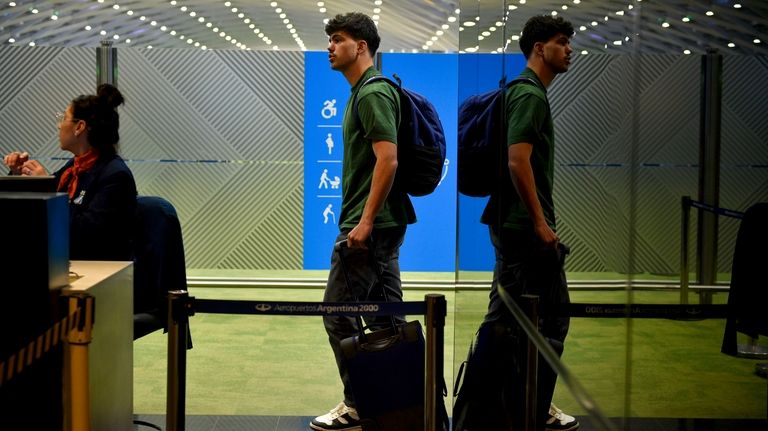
[(594, 110), (37, 82), (220, 134)]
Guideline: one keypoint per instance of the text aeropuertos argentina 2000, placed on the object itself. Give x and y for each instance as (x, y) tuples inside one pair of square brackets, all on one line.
[(326, 309)]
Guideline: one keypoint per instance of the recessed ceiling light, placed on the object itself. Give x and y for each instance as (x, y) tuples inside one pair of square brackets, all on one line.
[(731, 45), (709, 13), (687, 51), (756, 41)]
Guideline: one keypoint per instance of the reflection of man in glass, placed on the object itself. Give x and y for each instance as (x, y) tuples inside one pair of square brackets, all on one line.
[(373, 217), (521, 218)]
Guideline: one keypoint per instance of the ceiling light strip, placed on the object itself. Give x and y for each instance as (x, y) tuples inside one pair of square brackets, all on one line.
[(427, 46)]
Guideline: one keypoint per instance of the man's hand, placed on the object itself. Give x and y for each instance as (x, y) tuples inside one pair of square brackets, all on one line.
[(546, 235), (358, 236)]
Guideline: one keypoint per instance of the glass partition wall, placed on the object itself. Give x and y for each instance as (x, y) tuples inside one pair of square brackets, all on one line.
[(210, 131), (691, 133), (591, 199), (632, 140)]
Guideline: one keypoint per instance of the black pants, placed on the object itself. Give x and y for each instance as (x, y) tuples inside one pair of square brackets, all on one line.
[(358, 265), (523, 266)]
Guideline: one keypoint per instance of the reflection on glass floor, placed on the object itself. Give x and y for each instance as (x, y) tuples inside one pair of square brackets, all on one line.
[(297, 423)]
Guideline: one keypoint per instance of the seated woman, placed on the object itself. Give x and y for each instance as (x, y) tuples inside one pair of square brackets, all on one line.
[(101, 188)]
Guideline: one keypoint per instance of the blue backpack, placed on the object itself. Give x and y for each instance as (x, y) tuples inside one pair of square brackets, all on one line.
[(481, 153), (420, 138)]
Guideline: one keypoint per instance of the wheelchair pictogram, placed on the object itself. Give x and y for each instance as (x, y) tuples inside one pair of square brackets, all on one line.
[(329, 109)]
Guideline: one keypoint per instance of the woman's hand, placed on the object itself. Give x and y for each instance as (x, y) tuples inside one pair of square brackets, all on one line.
[(15, 161), (33, 168)]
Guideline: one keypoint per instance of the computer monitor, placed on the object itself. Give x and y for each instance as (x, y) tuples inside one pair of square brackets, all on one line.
[(23, 183)]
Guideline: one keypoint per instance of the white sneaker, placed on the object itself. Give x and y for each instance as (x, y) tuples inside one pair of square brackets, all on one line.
[(340, 418), (559, 421)]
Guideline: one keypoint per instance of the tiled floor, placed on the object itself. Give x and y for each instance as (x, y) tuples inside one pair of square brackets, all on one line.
[(287, 423)]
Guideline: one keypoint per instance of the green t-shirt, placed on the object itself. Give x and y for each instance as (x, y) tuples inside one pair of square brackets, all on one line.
[(378, 105), (528, 120)]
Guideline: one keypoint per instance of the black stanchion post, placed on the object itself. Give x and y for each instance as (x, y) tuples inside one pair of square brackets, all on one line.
[(433, 388), (709, 169), (178, 321), (531, 308), (685, 212)]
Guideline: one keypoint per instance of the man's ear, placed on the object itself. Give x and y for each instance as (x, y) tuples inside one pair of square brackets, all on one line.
[(538, 48), (362, 46)]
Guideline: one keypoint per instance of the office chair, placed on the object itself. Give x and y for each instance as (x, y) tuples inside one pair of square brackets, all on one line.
[(159, 264), (748, 294)]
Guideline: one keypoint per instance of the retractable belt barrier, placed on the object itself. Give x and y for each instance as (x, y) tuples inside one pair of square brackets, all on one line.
[(648, 311), (181, 306), (717, 210), (291, 308), (685, 214)]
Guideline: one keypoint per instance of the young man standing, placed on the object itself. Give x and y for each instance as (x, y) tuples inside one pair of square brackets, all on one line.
[(373, 216), (521, 217)]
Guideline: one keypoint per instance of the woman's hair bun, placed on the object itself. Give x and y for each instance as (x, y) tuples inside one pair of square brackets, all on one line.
[(109, 95)]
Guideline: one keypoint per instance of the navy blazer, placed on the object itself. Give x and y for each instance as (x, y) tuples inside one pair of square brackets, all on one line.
[(102, 210)]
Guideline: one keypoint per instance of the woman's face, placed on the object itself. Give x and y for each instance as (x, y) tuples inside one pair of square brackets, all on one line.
[(70, 130)]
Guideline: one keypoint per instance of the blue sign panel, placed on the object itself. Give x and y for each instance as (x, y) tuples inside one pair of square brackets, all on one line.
[(325, 96), (479, 73), (430, 244)]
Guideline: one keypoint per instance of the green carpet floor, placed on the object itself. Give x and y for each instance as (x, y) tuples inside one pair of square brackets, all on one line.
[(282, 366)]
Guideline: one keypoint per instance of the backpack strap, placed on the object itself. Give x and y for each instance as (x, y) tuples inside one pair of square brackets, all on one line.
[(523, 79), (398, 85)]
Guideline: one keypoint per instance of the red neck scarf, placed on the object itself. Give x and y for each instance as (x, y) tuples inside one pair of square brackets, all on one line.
[(82, 163)]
